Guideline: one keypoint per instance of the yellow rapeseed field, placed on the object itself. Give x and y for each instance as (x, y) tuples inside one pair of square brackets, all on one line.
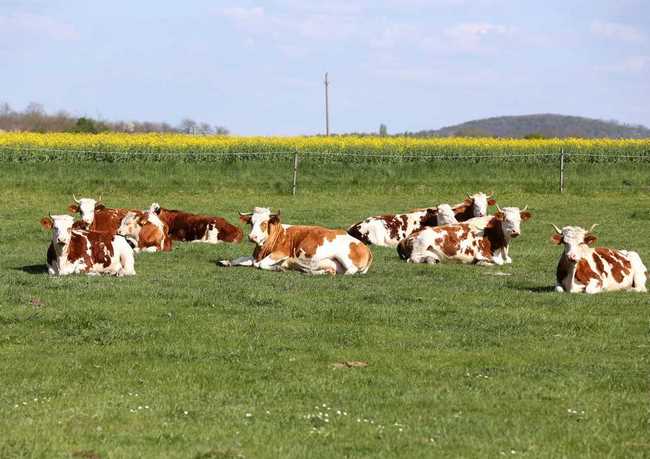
[(120, 142)]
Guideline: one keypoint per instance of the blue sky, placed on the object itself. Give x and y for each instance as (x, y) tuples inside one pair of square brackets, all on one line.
[(256, 67)]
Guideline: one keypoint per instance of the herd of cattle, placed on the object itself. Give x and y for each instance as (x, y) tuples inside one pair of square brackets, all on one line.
[(105, 240)]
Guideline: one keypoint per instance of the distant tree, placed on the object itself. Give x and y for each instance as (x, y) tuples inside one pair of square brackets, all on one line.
[(383, 130), (188, 126), (204, 129), (220, 130), (89, 126)]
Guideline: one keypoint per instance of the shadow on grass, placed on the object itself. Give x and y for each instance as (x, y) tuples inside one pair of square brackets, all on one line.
[(33, 269), (544, 289)]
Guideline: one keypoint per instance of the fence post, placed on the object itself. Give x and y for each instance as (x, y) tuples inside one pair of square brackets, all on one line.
[(562, 171), (295, 172)]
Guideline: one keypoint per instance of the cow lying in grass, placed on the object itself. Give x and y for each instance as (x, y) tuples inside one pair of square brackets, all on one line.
[(585, 269), (483, 241), (145, 231), (310, 249), (95, 216), (79, 251), (389, 230), (184, 226)]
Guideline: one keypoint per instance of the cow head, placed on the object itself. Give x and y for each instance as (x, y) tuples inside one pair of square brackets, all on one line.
[(575, 239), (446, 215), (61, 226), (511, 218), (480, 203), (261, 221), (86, 207)]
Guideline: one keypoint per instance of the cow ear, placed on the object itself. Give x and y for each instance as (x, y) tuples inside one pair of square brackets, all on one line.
[(245, 218), (274, 219), (525, 215), (492, 201), (99, 206), (499, 216), (467, 202), (556, 239), (73, 208), (590, 239), (47, 223)]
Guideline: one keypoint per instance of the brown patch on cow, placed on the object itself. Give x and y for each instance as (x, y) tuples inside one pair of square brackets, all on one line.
[(468, 251), (109, 220), (430, 218), (393, 225), (360, 255), (451, 242), (584, 273), (355, 232), (46, 223), (619, 264), (590, 239), (493, 237), (464, 211), (78, 250), (152, 236), (73, 208), (101, 247), (600, 266)]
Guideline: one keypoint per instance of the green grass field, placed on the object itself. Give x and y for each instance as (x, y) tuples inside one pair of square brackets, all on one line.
[(190, 360)]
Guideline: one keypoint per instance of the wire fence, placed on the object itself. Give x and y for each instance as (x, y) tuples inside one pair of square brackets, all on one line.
[(295, 158)]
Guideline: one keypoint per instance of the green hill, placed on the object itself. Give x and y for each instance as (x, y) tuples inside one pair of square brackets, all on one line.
[(540, 125)]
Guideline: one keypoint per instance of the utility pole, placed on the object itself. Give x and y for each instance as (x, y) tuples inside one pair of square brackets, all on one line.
[(327, 106)]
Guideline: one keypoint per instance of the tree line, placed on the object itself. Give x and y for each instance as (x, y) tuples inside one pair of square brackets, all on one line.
[(34, 118)]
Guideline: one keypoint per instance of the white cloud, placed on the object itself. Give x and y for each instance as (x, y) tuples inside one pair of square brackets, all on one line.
[(19, 26), (619, 32), (476, 37), (629, 65)]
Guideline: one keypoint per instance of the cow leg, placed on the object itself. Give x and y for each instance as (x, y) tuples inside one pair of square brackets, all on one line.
[(269, 263), (326, 266), (127, 262), (241, 261), (592, 287), (559, 288)]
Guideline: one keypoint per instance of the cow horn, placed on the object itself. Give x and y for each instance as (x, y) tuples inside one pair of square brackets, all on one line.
[(100, 198), (491, 194), (525, 208), (276, 214), (556, 229), (75, 198), (592, 227), (469, 196), (245, 214), (499, 208)]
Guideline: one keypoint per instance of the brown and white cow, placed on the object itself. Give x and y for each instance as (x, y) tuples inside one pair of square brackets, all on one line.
[(593, 270), (310, 249), (388, 230), (485, 241), (184, 226), (145, 231), (95, 216), (74, 251)]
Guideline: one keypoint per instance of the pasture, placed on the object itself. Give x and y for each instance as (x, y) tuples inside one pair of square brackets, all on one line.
[(188, 359)]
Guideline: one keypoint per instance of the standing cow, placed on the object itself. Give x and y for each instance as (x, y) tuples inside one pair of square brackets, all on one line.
[(484, 242), (585, 269), (74, 251), (310, 249), (389, 230), (184, 226)]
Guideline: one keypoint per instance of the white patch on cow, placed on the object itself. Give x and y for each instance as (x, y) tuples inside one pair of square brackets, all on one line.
[(446, 215)]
